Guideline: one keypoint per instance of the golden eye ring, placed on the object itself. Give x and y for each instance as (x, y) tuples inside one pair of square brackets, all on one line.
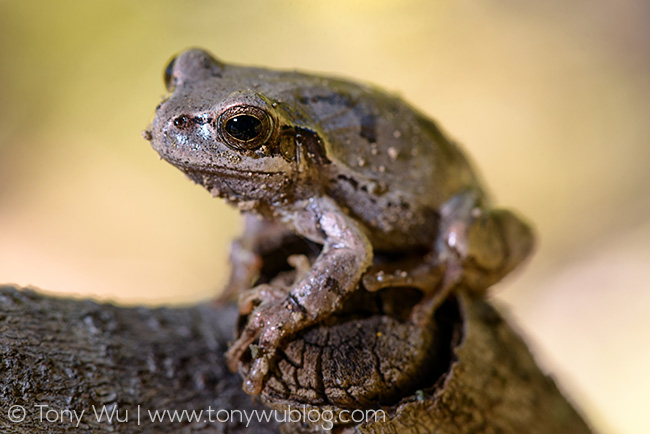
[(245, 127)]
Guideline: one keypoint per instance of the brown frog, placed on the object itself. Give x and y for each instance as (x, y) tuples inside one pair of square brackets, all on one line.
[(345, 165)]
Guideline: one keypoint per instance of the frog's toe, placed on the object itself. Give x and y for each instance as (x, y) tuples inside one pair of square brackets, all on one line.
[(265, 329), (255, 378)]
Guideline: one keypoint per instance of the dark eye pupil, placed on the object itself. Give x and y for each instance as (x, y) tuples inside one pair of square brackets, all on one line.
[(244, 127)]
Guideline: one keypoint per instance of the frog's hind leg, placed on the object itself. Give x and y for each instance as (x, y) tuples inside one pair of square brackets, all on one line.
[(434, 279), (415, 271), (447, 253), (487, 243), (475, 247)]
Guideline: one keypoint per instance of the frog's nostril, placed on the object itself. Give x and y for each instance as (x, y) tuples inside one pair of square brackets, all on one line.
[(181, 121)]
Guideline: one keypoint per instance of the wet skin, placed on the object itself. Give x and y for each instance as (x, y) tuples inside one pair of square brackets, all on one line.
[(344, 165)]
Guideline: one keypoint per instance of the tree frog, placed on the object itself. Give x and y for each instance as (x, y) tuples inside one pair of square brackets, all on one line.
[(344, 165)]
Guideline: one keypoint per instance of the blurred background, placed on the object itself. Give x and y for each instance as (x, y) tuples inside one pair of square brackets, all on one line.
[(551, 100)]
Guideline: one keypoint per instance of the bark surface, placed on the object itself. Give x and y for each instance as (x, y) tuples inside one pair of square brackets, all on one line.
[(62, 355)]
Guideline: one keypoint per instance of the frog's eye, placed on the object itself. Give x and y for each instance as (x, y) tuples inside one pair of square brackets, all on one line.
[(169, 75), (245, 127)]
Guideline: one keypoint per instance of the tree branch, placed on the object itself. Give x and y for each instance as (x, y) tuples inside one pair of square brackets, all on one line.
[(61, 356)]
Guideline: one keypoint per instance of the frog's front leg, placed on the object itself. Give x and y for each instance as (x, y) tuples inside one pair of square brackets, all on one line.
[(346, 254)]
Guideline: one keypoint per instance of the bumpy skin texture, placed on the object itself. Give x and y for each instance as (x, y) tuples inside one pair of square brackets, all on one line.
[(344, 165)]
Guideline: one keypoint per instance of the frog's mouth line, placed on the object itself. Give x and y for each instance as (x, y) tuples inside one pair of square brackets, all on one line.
[(234, 185), (222, 171), (219, 170)]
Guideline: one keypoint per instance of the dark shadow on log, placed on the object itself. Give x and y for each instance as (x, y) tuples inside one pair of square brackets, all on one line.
[(62, 355)]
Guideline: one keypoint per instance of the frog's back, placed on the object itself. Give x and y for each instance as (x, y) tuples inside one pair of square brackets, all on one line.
[(390, 165), (379, 137)]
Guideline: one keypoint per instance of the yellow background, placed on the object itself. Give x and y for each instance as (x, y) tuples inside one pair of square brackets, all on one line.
[(551, 99)]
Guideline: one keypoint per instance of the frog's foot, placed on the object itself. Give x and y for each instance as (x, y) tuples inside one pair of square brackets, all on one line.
[(268, 325)]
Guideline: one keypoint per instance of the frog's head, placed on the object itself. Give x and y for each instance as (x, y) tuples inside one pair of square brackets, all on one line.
[(223, 132)]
